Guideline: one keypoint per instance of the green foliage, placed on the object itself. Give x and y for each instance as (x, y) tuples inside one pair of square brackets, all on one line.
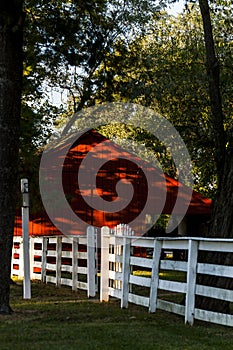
[(153, 150), (166, 71), (72, 38), (222, 28)]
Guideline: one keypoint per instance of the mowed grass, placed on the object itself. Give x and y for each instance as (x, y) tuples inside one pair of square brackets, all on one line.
[(61, 319)]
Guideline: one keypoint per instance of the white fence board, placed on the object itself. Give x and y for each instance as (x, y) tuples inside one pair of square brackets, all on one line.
[(142, 262), (216, 245), (66, 282), (67, 240), (215, 270), (143, 242), (52, 240), (82, 270), (51, 267), (52, 253), (82, 285), (175, 244), (66, 254), (171, 307), (213, 292), (140, 281), (36, 239), (66, 268), (139, 300), (173, 265), (172, 286), (82, 255), (214, 317), (51, 279)]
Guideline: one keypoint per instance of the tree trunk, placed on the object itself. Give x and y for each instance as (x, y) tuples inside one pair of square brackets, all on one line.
[(213, 70), (11, 23), (222, 218), (222, 215), (223, 208)]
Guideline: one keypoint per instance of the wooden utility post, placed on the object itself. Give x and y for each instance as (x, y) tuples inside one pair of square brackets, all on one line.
[(25, 229)]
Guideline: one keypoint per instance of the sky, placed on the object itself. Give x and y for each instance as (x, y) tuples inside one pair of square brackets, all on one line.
[(175, 8)]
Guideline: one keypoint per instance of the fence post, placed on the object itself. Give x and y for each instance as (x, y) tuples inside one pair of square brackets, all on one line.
[(105, 237), (155, 275), (44, 259), (125, 272), (12, 257), (31, 257), (26, 239), (191, 281), (58, 261), (74, 263), (91, 268)]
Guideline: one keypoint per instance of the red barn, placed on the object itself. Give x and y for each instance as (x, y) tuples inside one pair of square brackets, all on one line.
[(92, 154)]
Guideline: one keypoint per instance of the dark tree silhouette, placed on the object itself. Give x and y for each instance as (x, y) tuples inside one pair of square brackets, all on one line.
[(222, 216), (11, 58)]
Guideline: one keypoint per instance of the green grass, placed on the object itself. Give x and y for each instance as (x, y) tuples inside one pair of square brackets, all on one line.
[(61, 319)]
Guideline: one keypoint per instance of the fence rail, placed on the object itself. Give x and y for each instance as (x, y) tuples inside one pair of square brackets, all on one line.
[(70, 261), (118, 277)]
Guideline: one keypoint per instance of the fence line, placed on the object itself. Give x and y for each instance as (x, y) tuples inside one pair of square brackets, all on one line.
[(119, 280), (70, 261), (73, 261)]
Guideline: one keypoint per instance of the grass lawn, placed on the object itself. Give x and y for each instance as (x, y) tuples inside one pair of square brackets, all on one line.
[(61, 319)]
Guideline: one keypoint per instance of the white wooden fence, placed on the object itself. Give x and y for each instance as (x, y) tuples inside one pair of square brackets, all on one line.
[(119, 280), (60, 260), (70, 261)]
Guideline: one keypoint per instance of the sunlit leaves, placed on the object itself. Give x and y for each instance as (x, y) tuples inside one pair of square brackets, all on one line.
[(166, 71)]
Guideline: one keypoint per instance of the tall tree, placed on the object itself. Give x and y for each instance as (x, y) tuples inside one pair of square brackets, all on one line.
[(222, 223), (11, 58), (222, 216)]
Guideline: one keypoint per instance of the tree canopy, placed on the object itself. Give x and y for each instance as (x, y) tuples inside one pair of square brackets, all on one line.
[(65, 42), (166, 71)]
